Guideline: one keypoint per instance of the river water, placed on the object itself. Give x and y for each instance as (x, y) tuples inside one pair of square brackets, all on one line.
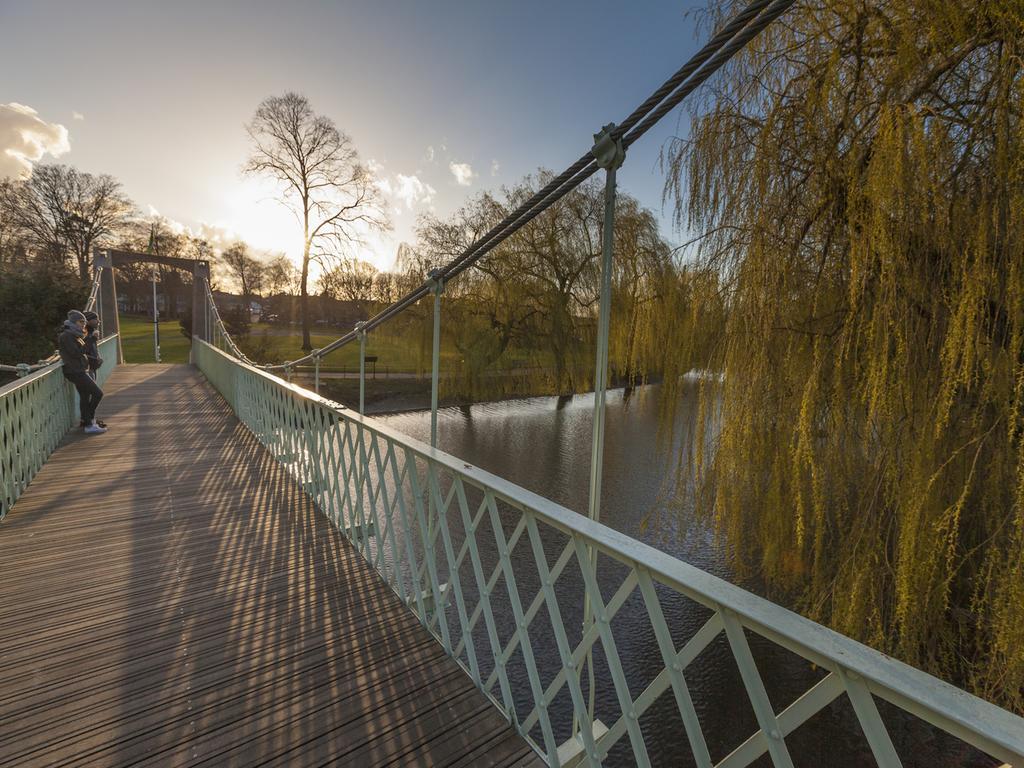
[(544, 445)]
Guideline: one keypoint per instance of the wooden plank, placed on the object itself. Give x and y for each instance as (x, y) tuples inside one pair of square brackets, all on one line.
[(170, 596)]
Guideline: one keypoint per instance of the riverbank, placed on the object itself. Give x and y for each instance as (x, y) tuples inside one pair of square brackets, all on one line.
[(391, 396)]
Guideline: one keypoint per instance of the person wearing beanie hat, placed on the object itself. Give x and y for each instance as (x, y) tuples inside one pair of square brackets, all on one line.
[(92, 341), (75, 367), (92, 350)]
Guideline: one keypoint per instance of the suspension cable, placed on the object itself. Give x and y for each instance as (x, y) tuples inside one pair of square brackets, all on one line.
[(716, 52), (219, 323)]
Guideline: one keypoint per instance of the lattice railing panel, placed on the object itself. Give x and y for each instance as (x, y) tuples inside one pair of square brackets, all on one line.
[(35, 414), (500, 577)]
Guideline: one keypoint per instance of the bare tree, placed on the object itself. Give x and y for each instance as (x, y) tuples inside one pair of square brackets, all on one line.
[(331, 193), (66, 211), (349, 280), (10, 231), (246, 269), (279, 276)]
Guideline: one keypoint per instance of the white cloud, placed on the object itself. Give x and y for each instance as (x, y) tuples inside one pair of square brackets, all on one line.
[(25, 138), (219, 236), (412, 191), (463, 173), (495, 167), (175, 226), (401, 188), (430, 154), (75, 114)]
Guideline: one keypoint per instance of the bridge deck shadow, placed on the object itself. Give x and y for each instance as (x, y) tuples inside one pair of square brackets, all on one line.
[(169, 596)]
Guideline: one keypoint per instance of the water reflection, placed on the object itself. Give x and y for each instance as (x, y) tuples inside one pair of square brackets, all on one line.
[(544, 445)]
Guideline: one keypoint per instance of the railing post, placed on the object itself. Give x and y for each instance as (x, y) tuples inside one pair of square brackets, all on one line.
[(609, 154), (156, 321), (200, 302), (316, 371), (107, 299), (435, 276), (362, 366)]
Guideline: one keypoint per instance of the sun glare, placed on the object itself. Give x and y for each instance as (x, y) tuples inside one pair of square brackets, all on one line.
[(254, 211)]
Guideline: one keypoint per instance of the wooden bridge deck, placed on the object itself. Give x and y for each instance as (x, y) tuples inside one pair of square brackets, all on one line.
[(168, 596)]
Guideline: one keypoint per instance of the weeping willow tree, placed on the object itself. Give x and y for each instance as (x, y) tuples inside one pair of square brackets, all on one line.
[(857, 178), (523, 319)]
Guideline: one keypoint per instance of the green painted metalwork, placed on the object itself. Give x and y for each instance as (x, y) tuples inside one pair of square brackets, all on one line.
[(362, 369), (609, 154), (480, 575), (435, 356), (36, 412)]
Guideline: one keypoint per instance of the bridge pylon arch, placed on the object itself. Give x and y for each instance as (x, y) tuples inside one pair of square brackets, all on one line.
[(104, 262)]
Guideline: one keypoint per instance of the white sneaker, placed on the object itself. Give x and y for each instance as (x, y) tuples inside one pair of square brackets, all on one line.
[(94, 429)]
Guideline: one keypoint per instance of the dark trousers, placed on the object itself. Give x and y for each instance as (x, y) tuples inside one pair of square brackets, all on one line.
[(89, 394)]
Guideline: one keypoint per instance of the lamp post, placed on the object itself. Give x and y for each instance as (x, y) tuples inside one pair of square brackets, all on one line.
[(156, 321)]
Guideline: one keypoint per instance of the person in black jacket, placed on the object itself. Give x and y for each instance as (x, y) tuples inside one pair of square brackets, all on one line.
[(92, 342), (71, 345), (92, 350)]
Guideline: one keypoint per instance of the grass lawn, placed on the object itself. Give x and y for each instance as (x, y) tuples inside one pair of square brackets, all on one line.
[(274, 343), (398, 352), (395, 352), (277, 344), (137, 341)]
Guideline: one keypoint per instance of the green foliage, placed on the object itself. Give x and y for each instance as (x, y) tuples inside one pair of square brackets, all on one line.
[(858, 176), (524, 318), (236, 320), (34, 302)]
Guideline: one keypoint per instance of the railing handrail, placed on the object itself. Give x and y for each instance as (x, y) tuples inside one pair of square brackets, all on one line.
[(38, 372), (939, 703), (31, 440)]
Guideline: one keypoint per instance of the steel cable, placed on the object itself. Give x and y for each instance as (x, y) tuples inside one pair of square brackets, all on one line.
[(715, 53)]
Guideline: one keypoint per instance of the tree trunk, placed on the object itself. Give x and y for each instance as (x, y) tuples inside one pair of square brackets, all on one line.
[(307, 343), (81, 254)]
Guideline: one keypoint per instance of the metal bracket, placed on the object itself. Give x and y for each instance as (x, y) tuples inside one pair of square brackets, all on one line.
[(359, 328), (436, 276), (608, 152)]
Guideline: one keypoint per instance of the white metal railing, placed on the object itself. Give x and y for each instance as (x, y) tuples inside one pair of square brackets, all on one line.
[(492, 570), (35, 413)]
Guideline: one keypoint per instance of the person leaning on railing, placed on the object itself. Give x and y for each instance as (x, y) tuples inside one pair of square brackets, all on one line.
[(92, 349), (71, 345)]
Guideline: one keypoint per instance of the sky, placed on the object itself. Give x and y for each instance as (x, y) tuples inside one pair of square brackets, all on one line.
[(441, 99)]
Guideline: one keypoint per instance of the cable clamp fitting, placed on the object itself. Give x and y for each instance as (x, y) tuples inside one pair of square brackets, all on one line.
[(608, 151), (436, 276)]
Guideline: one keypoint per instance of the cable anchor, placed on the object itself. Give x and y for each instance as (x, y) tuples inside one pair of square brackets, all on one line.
[(436, 276), (608, 150)]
